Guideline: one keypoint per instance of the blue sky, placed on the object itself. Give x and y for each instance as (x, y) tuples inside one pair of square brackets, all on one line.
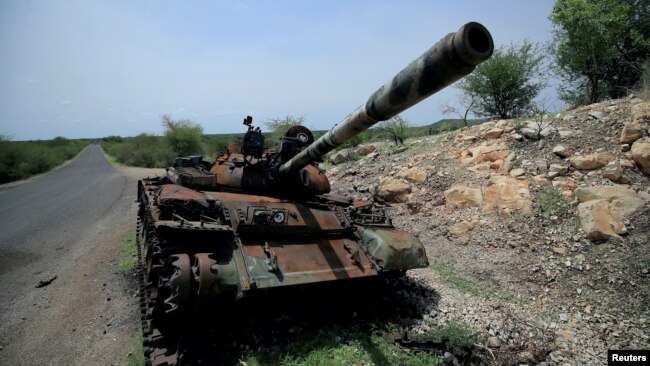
[(97, 68)]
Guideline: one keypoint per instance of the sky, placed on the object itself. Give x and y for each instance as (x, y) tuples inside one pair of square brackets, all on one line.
[(87, 69)]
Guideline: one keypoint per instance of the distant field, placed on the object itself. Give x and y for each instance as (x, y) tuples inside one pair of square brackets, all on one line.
[(22, 159)]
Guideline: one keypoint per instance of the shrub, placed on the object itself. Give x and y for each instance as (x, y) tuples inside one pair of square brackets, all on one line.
[(22, 159), (183, 137), (144, 150)]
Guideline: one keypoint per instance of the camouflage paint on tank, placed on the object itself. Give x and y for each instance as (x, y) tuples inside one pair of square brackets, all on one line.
[(451, 58)]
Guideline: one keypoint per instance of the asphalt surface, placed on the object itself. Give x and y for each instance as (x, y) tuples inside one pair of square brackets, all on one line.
[(68, 223), (40, 218)]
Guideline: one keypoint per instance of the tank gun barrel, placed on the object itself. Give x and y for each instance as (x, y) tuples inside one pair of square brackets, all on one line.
[(453, 57)]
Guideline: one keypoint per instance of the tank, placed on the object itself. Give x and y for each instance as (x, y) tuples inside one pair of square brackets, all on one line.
[(259, 218)]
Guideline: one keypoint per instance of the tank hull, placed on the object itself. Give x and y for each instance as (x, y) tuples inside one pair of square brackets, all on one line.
[(206, 245)]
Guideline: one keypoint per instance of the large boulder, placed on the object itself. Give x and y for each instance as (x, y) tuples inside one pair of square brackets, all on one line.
[(600, 221), (365, 149), (493, 133), (602, 209), (484, 152), (340, 156), (641, 155), (462, 197), (505, 195), (631, 132), (641, 113), (590, 161), (393, 190)]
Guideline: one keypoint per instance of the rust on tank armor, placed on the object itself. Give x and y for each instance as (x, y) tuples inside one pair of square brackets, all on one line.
[(261, 218)]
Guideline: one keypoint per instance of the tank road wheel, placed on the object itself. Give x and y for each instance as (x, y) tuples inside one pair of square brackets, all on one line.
[(204, 279), (180, 287)]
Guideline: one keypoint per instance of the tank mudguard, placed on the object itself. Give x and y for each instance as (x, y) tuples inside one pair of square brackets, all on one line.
[(394, 250)]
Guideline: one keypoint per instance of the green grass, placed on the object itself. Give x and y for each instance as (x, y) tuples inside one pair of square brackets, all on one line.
[(550, 202), (135, 357), (341, 345), (112, 160), (128, 258), (450, 276)]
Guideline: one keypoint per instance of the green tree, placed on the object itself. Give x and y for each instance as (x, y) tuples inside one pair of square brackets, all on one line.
[(505, 85), (396, 129), (183, 137), (600, 47), (279, 126)]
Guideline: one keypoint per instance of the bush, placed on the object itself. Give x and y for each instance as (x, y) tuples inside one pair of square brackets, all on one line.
[(505, 85), (395, 129), (354, 141), (22, 159), (279, 127), (183, 137), (144, 150)]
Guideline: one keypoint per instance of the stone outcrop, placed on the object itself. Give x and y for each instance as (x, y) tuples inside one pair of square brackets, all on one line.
[(613, 171), (631, 132), (641, 112), (562, 151), (340, 156), (484, 152), (556, 170), (415, 175), (505, 195), (517, 173), (346, 154), (492, 134), (365, 149), (461, 228), (463, 197), (393, 190), (641, 155), (602, 210), (590, 161)]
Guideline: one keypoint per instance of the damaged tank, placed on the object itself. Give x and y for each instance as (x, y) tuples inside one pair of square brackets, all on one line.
[(260, 218)]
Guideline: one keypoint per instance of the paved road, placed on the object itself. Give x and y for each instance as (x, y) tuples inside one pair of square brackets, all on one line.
[(68, 223), (41, 218)]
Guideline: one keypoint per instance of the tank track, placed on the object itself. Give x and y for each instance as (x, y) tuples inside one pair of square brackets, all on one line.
[(160, 349)]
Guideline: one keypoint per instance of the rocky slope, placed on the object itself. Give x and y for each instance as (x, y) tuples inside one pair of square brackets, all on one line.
[(538, 229)]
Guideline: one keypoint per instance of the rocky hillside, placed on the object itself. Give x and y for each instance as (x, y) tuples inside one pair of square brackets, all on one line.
[(537, 230)]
